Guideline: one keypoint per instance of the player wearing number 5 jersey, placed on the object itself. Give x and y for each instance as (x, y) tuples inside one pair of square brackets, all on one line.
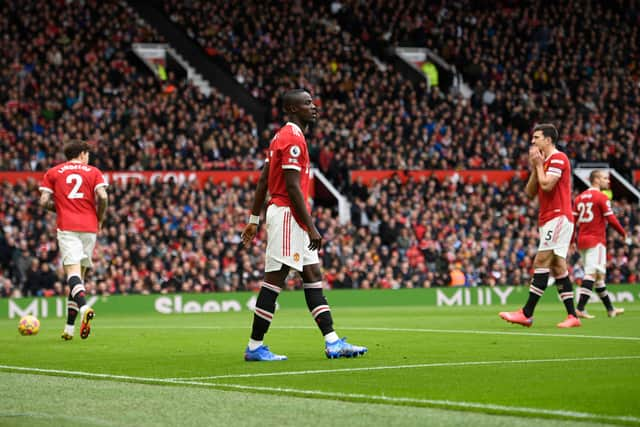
[(77, 193), (592, 213), (550, 180)]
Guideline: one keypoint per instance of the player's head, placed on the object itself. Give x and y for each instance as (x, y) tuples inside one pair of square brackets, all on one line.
[(298, 104), (77, 150), (599, 179), (545, 136)]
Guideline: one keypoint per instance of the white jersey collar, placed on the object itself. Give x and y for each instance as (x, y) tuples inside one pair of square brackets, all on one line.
[(555, 150), (295, 126)]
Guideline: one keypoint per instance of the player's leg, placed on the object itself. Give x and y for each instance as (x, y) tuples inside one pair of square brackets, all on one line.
[(589, 260), (585, 292), (76, 298), (559, 245), (539, 282), (87, 313), (277, 266), (72, 313), (71, 253), (319, 308), (72, 309), (565, 290), (263, 315), (601, 290)]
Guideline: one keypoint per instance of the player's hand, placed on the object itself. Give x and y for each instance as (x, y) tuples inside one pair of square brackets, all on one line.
[(249, 232), (315, 239), (628, 241), (535, 156)]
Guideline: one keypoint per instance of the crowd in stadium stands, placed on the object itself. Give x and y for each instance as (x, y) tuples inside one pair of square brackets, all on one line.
[(67, 71), (169, 237), (61, 77), (575, 62), (520, 59)]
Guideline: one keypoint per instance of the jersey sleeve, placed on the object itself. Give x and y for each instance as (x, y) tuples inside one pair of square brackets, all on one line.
[(98, 180), (47, 183), (558, 164), (291, 146), (605, 205)]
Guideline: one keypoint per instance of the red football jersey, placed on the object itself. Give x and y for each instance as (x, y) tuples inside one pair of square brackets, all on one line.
[(591, 208), (556, 202), (73, 186), (288, 150)]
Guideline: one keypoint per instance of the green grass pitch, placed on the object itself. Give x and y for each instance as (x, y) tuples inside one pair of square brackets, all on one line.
[(426, 366)]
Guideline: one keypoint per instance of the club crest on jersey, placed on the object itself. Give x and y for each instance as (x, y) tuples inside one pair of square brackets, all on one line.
[(296, 257), (295, 151)]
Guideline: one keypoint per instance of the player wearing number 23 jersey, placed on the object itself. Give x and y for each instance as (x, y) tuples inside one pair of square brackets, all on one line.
[(592, 212)]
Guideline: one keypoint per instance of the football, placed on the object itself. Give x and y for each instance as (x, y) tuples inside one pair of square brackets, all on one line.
[(29, 325)]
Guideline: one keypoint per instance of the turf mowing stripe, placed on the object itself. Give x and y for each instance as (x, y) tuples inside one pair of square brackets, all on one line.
[(436, 331), (446, 404), (20, 416), (421, 365)]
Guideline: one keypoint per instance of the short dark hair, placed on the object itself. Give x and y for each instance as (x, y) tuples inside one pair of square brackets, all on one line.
[(548, 130), (290, 97), (75, 147)]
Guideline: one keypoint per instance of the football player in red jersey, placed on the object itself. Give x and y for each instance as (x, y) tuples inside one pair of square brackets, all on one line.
[(80, 201), (550, 180), (292, 238), (592, 211)]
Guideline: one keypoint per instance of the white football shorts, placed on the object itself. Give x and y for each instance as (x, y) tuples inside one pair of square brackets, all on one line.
[(555, 235), (594, 259), (76, 247), (287, 242)]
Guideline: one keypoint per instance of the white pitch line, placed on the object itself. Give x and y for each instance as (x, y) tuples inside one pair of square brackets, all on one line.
[(527, 334), (435, 331), (419, 365), (445, 404)]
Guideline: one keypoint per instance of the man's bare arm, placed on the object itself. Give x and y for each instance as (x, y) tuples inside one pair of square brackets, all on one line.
[(102, 202), (261, 191), (47, 202), (532, 186), (251, 229)]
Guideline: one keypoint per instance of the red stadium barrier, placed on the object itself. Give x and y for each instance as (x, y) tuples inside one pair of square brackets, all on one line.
[(472, 176), (126, 177)]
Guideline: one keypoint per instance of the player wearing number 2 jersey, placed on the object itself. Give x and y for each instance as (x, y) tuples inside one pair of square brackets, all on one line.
[(77, 193), (550, 180), (592, 212)]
